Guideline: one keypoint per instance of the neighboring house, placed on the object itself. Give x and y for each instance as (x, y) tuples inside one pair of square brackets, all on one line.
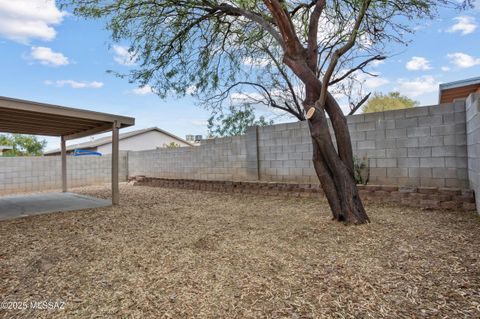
[(145, 139), (458, 90), (5, 149)]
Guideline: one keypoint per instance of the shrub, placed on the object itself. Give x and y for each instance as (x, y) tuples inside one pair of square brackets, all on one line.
[(360, 166)]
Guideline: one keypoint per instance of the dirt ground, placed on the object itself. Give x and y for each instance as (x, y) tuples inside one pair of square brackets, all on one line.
[(169, 253)]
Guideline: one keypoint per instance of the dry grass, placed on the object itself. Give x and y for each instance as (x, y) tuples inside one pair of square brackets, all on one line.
[(180, 253)]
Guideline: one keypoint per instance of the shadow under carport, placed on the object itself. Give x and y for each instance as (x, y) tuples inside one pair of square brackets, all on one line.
[(16, 206)]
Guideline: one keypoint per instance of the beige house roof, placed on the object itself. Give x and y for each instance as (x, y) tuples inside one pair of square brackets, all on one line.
[(108, 140)]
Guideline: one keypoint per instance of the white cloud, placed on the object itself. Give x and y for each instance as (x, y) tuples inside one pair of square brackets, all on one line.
[(366, 41), (418, 86), (445, 68), (375, 82), (464, 24), (463, 60), (376, 63), (143, 90), (418, 63), (48, 57), (23, 20), (368, 81), (191, 90), (123, 56), (75, 84)]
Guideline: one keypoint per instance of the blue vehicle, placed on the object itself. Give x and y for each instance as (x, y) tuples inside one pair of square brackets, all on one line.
[(85, 153)]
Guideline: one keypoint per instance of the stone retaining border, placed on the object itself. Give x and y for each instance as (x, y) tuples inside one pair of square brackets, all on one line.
[(421, 197)]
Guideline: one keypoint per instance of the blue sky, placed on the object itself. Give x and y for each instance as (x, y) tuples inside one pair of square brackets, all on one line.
[(54, 57)]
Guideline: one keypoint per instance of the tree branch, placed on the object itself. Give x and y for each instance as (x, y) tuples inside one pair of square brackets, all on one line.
[(312, 46), (231, 10), (292, 45), (356, 68), (341, 51), (299, 112), (359, 104), (271, 100), (300, 6)]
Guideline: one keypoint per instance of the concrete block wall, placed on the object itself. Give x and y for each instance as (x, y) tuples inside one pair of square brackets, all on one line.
[(30, 174), (285, 153), (422, 146), (216, 159), (473, 144)]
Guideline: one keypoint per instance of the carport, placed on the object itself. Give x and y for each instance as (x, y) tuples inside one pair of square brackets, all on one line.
[(28, 117)]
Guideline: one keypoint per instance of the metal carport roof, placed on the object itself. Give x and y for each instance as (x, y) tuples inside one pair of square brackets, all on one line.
[(28, 117)]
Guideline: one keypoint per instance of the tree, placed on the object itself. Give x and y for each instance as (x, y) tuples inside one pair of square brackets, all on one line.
[(23, 145), (201, 46), (386, 102), (235, 122)]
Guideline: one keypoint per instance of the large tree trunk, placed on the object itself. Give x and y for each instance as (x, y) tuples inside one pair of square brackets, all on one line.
[(335, 168)]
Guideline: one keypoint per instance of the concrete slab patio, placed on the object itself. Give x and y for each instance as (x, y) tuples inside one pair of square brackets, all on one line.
[(16, 206)]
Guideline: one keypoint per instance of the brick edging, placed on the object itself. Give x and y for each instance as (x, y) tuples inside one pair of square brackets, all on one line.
[(422, 197)]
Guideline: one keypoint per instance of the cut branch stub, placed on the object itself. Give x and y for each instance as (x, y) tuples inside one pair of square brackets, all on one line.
[(310, 112)]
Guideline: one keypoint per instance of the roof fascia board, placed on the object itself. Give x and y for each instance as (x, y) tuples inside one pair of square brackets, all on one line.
[(44, 108), (456, 84)]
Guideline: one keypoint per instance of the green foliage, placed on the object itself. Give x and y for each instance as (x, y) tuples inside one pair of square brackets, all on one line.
[(360, 166), (172, 145), (203, 44), (235, 122), (387, 102), (23, 145)]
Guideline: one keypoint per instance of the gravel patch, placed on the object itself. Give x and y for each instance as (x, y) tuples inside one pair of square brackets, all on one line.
[(169, 253)]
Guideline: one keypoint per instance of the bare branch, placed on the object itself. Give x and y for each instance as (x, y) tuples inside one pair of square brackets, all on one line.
[(355, 107), (356, 68), (302, 6), (271, 100), (341, 51), (299, 112), (312, 46)]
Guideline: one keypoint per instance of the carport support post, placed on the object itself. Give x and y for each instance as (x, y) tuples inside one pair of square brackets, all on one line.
[(64, 164), (115, 151)]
